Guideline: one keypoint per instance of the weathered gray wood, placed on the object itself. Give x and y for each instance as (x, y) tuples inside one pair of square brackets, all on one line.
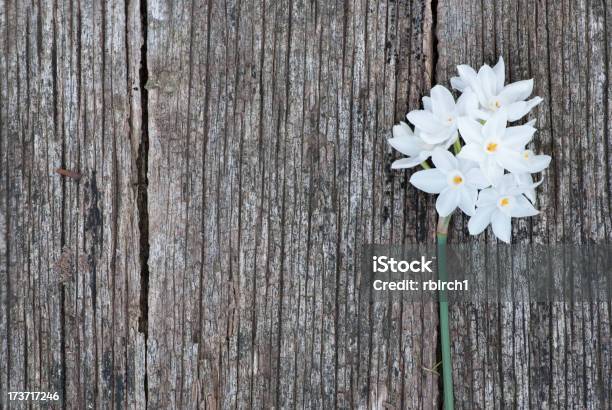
[(268, 169), (530, 355), (232, 163), (70, 253)]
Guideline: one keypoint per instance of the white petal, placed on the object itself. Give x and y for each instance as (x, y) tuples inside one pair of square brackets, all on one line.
[(539, 163), (432, 181), (472, 152), (425, 154), (516, 110), (531, 123), (402, 130), (480, 220), (466, 164), (487, 80), (487, 197), (511, 160), (517, 91), (481, 114), (466, 73), (476, 178), (467, 199), (442, 101), (523, 208), (523, 185), (469, 77), (517, 137), (537, 183), (405, 141), (505, 183), (491, 169), (499, 70), (502, 227), (467, 104), (526, 180), (531, 195), (409, 146), (440, 137), (425, 120), (427, 103), (496, 125), (533, 102), (458, 84), (470, 130), (519, 109), (444, 160), (447, 201), (453, 136), (406, 163)]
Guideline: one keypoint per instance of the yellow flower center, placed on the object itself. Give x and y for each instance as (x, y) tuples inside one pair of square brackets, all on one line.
[(497, 104), (457, 180), (504, 202), (526, 154), (491, 147)]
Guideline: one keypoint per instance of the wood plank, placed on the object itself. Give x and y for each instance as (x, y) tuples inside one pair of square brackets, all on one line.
[(267, 172), (70, 251), (533, 354)]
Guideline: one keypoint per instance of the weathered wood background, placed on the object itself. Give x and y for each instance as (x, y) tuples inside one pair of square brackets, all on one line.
[(232, 162)]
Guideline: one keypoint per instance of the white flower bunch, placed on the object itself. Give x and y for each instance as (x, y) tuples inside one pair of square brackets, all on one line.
[(489, 177)]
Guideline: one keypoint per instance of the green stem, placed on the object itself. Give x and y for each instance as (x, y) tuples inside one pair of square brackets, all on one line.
[(457, 146), (447, 370), (425, 165)]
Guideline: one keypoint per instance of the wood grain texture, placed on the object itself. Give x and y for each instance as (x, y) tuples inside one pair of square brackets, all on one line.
[(233, 162), (70, 255), (268, 170), (535, 355)]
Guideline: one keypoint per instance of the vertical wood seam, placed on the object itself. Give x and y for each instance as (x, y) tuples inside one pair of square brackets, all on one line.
[(142, 200)]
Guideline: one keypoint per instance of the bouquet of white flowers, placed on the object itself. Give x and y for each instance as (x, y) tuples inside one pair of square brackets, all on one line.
[(489, 177)]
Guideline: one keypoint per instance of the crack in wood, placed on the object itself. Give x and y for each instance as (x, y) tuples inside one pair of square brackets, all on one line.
[(142, 201)]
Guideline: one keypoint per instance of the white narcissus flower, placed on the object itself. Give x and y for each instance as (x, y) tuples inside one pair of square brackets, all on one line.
[(488, 85), (495, 147), (457, 182), (410, 144), (437, 122), (480, 116), (498, 204)]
